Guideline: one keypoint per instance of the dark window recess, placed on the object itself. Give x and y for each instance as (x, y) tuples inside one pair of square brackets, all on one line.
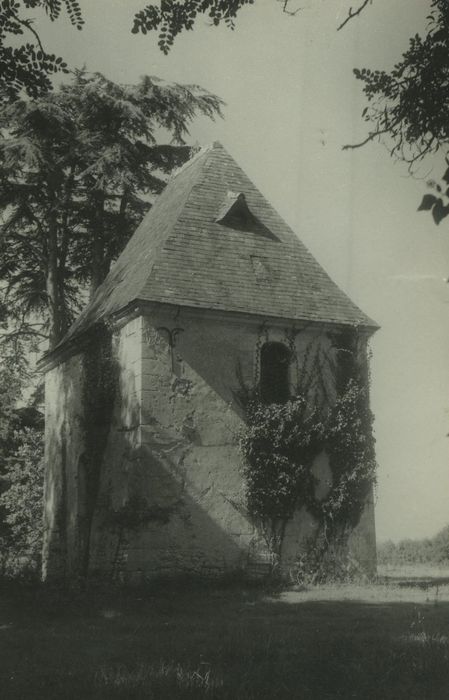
[(274, 373)]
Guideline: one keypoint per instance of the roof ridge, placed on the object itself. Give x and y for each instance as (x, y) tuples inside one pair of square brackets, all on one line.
[(197, 154)]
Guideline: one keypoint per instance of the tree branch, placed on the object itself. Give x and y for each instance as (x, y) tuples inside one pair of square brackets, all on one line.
[(287, 11), (24, 329), (354, 13), (27, 25), (370, 137), (4, 337)]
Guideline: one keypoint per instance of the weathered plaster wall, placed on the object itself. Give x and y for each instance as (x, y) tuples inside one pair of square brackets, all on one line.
[(190, 462), (171, 494), (121, 468), (188, 469), (73, 427)]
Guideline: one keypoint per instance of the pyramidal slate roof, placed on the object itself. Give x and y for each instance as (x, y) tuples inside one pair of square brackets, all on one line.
[(212, 241)]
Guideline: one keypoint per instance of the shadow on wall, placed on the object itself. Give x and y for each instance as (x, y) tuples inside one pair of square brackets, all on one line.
[(170, 500), (153, 520), (160, 506)]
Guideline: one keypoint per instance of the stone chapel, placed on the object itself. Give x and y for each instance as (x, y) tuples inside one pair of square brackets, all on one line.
[(143, 471)]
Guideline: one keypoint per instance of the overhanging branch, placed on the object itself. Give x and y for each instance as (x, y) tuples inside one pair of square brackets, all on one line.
[(354, 13), (370, 137), (285, 4), (27, 25)]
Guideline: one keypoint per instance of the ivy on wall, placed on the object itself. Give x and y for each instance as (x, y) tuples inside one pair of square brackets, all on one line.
[(281, 442), (279, 445)]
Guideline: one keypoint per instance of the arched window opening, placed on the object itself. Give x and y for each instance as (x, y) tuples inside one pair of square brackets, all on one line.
[(274, 373)]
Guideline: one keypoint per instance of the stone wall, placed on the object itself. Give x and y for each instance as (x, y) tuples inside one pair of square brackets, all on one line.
[(170, 496), (86, 442)]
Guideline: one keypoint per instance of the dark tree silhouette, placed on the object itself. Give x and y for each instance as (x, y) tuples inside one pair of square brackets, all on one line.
[(78, 168)]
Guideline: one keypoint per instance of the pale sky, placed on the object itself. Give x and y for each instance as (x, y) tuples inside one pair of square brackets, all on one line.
[(292, 102)]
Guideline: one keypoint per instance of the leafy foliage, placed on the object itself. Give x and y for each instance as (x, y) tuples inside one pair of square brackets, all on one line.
[(21, 474), (279, 444), (10, 390), (27, 67), (21, 502), (350, 445), (322, 562), (432, 551), (78, 169), (437, 204), (171, 17), (408, 106)]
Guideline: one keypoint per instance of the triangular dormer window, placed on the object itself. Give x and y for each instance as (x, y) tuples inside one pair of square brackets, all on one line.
[(235, 213), (235, 210)]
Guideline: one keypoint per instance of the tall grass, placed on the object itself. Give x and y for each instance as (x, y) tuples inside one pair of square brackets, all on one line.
[(414, 666), (164, 680), (206, 644)]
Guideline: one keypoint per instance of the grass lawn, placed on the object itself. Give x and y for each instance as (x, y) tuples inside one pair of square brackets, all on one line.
[(381, 641)]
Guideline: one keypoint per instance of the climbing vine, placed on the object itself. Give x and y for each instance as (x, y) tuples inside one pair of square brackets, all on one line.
[(100, 386), (280, 443)]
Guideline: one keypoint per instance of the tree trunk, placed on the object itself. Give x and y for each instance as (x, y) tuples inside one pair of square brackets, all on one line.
[(97, 267), (57, 315), (275, 539)]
